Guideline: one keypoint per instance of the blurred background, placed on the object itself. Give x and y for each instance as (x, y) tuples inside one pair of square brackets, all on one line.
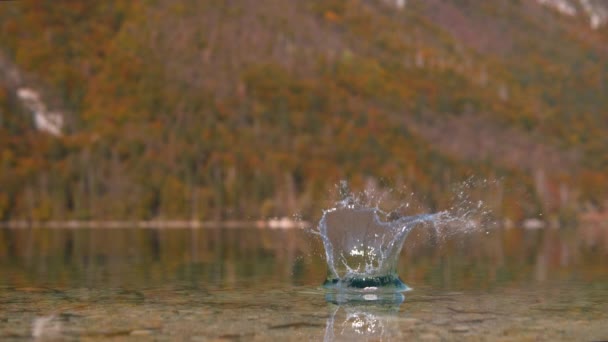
[(251, 109)]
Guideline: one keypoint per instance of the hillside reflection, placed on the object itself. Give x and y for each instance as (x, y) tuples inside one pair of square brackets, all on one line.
[(259, 257)]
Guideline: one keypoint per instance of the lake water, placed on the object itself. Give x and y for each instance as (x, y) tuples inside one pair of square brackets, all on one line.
[(263, 284)]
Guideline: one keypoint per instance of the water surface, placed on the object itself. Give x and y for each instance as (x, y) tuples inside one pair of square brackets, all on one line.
[(261, 284)]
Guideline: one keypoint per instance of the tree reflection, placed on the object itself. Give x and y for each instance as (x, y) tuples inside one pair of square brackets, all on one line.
[(266, 257)]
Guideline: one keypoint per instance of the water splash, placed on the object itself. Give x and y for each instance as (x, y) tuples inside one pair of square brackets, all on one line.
[(363, 238)]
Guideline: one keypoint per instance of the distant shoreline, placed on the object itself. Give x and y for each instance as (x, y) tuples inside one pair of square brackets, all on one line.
[(281, 223), (275, 223)]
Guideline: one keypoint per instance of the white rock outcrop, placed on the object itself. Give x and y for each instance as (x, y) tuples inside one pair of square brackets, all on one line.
[(596, 11), (46, 121), (562, 6)]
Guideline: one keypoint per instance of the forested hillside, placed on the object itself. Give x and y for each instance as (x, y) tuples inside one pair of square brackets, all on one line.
[(255, 108)]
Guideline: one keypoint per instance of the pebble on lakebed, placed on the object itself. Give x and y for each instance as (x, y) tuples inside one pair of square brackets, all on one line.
[(460, 329)]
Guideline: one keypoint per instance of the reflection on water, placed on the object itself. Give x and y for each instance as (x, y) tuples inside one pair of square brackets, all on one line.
[(46, 327), (254, 257), (233, 257), (264, 284), (361, 321)]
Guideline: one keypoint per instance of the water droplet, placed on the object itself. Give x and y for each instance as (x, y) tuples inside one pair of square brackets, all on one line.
[(370, 297)]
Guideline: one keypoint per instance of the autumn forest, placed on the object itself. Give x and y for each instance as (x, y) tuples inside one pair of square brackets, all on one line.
[(219, 110)]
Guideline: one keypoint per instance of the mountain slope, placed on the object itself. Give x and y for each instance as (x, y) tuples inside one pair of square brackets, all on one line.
[(255, 108)]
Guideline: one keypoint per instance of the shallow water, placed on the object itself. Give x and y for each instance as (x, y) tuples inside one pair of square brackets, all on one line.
[(252, 284)]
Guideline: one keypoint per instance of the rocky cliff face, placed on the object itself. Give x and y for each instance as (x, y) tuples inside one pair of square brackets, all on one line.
[(44, 120), (594, 11)]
